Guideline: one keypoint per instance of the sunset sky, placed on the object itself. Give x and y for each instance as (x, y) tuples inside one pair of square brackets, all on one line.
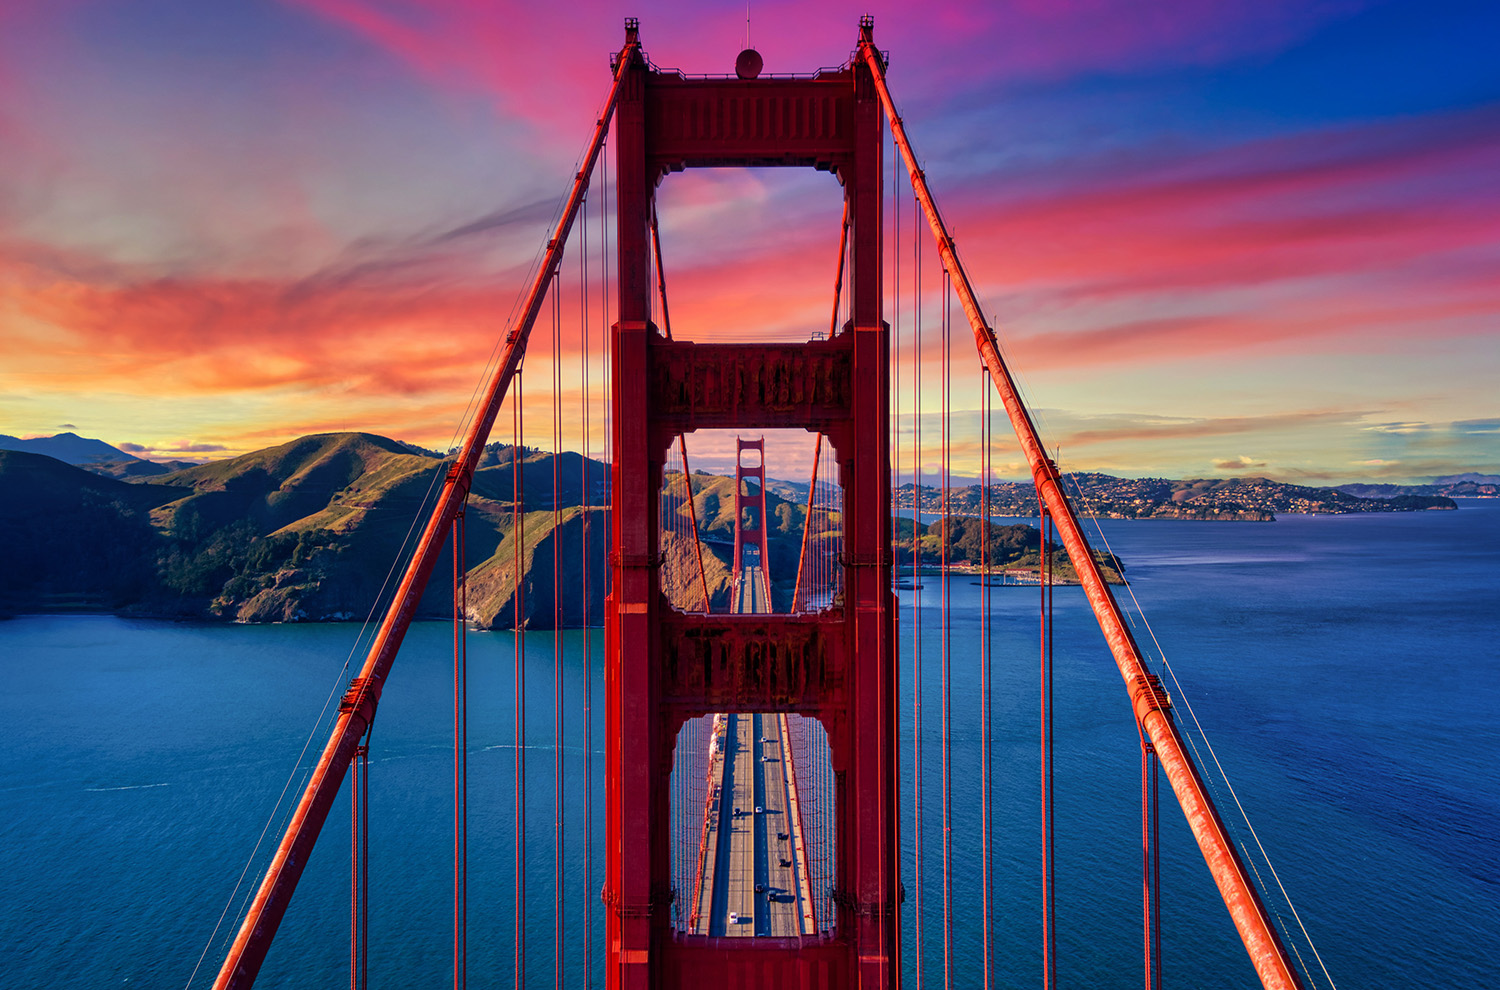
[(1258, 237)]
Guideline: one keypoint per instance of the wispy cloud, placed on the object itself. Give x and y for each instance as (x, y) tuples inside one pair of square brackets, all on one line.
[(172, 448), (1164, 428), (1240, 463)]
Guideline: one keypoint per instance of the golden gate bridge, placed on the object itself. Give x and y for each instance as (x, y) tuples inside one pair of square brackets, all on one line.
[(752, 767)]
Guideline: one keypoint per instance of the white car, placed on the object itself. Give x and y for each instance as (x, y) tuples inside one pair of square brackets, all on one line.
[(734, 917)]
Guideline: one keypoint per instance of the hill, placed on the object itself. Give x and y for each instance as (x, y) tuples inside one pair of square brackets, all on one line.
[(70, 448), (301, 531), (986, 547), (74, 539), (136, 470), (1469, 485), (92, 455), (308, 530)]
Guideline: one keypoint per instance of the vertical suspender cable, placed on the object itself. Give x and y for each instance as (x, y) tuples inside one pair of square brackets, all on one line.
[(359, 868), (518, 536), (883, 703), (603, 570), (1049, 891), (557, 645), (364, 863), (896, 359), (916, 560), (583, 462), (354, 938), (1267, 952), (460, 757), (896, 423), (985, 626), (1155, 871), (588, 591), (1150, 866), (827, 562), (1146, 858), (947, 535)]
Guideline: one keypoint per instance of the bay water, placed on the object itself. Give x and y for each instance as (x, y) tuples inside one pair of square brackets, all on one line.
[(1344, 669)]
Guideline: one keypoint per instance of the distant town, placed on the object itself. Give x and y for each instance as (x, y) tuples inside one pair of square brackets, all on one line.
[(1211, 500)]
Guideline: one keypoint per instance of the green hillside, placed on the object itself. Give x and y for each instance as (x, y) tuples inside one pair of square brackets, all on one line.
[(70, 538), (312, 529), (974, 544), (713, 501)]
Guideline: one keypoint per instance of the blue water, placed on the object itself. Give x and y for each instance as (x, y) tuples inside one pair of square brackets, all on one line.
[(1345, 669)]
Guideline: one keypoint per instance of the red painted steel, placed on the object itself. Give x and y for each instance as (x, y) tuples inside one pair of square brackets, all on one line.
[(1267, 953), (357, 712), (664, 666), (723, 386)]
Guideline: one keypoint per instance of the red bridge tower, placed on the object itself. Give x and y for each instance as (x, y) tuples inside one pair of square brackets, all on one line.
[(838, 665), (750, 515)]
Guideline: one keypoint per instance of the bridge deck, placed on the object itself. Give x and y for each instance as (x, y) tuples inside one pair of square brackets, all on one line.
[(753, 882)]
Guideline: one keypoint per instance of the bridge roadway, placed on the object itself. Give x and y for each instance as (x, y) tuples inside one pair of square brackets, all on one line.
[(758, 886)]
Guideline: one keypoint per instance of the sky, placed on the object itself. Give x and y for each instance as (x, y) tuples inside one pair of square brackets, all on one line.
[(1236, 238)]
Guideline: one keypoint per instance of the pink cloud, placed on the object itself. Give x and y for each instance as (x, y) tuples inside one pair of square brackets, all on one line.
[(535, 59), (1250, 214)]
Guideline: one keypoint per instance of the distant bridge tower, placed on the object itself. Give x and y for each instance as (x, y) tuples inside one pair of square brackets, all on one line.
[(750, 515), (838, 665)]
